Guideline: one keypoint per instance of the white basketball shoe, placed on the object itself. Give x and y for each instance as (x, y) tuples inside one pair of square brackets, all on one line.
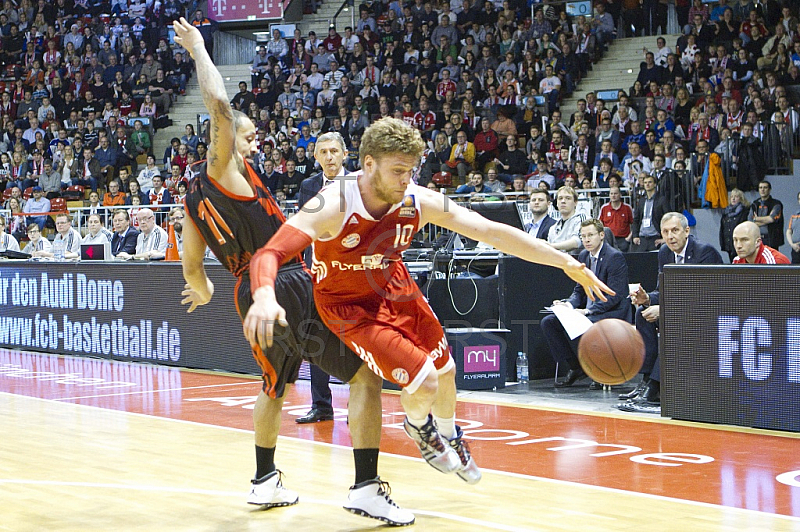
[(268, 491), (371, 499)]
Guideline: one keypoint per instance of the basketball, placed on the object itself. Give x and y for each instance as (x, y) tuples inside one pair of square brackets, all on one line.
[(611, 351)]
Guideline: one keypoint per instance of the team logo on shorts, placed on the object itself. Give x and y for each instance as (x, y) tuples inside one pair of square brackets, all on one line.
[(407, 209), (351, 240), (400, 375)]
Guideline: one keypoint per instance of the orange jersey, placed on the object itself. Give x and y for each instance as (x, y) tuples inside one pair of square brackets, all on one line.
[(363, 260)]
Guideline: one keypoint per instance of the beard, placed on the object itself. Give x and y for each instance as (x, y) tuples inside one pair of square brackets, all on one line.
[(383, 189)]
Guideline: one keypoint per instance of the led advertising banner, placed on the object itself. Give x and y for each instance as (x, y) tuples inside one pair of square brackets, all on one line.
[(129, 312), (239, 10), (731, 345)]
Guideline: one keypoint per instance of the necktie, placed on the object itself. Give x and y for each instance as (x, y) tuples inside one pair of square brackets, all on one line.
[(594, 265), (679, 259)]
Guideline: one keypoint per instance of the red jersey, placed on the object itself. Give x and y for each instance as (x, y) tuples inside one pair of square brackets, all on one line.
[(363, 260), (424, 121), (618, 220), (443, 87), (766, 255)]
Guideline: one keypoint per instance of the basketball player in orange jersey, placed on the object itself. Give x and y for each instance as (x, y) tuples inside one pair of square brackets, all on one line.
[(235, 214), (365, 294)]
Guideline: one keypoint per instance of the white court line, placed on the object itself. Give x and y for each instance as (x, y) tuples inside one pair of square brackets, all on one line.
[(61, 399), (218, 493), (606, 489)]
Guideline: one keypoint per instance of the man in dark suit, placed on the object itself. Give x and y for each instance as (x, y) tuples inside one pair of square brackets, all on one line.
[(610, 267), (330, 151), (124, 239), (647, 216), (679, 248), (539, 206)]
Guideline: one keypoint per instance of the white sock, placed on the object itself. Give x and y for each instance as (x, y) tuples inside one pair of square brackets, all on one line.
[(418, 423), (446, 426)]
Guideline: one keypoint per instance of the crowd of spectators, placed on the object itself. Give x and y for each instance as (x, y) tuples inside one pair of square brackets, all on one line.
[(83, 87)]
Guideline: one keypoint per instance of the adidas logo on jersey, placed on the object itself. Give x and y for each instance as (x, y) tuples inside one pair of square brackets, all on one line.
[(353, 220)]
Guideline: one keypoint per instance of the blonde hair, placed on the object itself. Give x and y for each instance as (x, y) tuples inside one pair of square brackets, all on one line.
[(390, 136), (740, 194)]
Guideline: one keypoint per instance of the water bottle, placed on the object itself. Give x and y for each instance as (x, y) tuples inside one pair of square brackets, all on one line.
[(522, 368), (59, 246)]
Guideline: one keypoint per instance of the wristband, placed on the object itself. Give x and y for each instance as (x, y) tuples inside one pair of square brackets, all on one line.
[(284, 245)]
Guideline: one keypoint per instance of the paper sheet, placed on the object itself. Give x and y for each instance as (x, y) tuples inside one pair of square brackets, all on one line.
[(575, 323)]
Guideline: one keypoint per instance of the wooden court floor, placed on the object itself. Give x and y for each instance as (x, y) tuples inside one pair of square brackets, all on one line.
[(97, 445)]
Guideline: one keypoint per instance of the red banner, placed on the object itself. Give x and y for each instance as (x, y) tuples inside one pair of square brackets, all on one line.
[(237, 10)]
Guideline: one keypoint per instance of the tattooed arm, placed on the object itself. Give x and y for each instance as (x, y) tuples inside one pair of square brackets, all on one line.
[(212, 87)]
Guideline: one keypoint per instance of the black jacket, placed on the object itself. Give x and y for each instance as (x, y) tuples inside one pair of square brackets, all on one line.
[(126, 244)]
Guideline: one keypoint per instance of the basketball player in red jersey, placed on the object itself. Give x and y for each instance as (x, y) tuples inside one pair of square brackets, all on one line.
[(365, 294), (235, 214)]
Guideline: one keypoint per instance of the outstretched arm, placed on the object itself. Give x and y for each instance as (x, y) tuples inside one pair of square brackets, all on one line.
[(212, 87), (437, 209)]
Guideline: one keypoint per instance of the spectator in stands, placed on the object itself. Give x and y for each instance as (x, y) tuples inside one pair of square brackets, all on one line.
[(207, 28), (618, 216), (114, 196), (492, 184), (50, 180), (541, 174), (539, 206), (20, 174), (550, 87), (16, 194), (37, 204), (151, 243), (37, 246), (735, 213), (176, 216), (88, 172), (750, 248), (767, 213), (107, 156), (124, 237), (634, 163), (147, 173), (135, 190), (511, 162), (646, 228), (604, 25), (462, 157), (564, 235), (159, 195), (7, 241)]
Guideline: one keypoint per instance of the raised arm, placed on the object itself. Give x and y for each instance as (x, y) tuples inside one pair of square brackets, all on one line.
[(215, 98), (439, 210)]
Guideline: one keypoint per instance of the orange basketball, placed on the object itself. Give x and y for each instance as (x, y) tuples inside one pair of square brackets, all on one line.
[(611, 351)]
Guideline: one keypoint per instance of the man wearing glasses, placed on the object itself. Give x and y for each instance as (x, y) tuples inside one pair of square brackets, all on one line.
[(176, 216), (37, 247), (152, 241), (610, 267)]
